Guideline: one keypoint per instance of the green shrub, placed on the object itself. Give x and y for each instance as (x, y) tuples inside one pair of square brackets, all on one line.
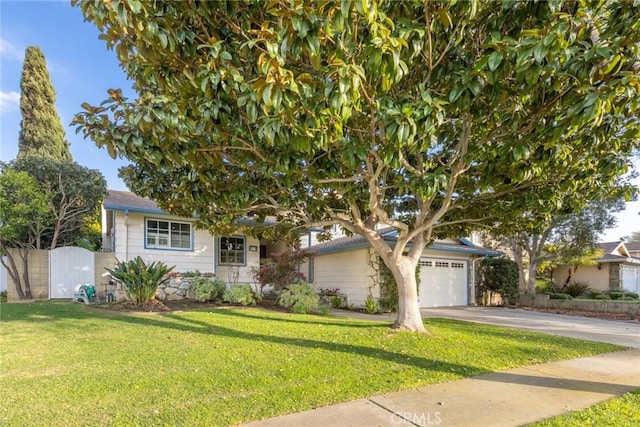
[(544, 286), (337, 301), (631, 295), (139, 279), (242, 294), (370, 305), (500, 275), (299, 298), (208, 289), (576, 289), (615, 295), (596, 294), (556, 295), (324, 310)]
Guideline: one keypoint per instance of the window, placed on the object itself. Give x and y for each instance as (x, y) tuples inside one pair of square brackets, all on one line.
[(457, 265), (232, 250), (168, 234), (442, 264), (425, 264)]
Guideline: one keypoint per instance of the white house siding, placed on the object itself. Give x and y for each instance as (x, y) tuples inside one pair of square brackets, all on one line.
[(348, 271), (351, 272), (596, 278), (201, 258)]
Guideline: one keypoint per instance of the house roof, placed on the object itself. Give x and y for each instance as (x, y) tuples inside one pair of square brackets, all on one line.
[(127, 201), (615, 248), (390, 235), (618, 252), (632, 246)]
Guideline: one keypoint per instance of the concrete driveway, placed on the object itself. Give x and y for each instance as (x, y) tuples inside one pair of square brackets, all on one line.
[(585, 328)]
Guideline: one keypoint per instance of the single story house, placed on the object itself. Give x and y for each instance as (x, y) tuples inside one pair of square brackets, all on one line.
[(135, 226), (616, 270), (447, 269)]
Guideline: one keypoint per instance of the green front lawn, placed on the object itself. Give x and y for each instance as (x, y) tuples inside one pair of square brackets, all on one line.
[(623, 411), (65, 364)]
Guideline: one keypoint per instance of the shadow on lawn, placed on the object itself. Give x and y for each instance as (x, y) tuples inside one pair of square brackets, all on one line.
[(52, 311), (351, 323), (200, 327)]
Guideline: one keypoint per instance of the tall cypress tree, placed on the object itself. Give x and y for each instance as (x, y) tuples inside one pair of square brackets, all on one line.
[(41, 132)]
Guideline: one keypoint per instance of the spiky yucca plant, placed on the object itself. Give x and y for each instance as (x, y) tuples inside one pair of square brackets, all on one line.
[(140, 280)]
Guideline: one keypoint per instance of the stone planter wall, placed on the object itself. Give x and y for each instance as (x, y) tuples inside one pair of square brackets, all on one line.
[(177, 288), (595, 306)]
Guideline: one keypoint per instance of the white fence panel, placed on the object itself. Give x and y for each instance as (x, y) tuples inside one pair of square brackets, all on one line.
[(69, 267), (3, 276)]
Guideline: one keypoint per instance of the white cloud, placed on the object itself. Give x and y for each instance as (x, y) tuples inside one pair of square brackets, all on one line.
[(8, 101), (9, 51)]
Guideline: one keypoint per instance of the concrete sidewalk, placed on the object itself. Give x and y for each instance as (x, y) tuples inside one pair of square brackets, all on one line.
[(510, 398)]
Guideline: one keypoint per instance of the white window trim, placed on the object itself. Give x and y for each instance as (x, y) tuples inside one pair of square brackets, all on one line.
[(167, 247), (244, 250)]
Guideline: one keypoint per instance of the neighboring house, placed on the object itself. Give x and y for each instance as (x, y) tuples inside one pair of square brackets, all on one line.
[(633, 248), (617, 269), (447, 269), (135, 226)]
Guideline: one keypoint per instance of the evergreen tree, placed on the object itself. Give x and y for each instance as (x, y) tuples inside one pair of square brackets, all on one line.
[(41, 132)]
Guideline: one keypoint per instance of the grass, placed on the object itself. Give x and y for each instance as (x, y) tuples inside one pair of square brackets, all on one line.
[(65, 364), (623, 411)]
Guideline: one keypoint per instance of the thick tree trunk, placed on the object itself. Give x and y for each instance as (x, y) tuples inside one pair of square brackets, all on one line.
[(519, 259), (12, 271), (532, 274), (409, 317), (21, 284), (24, 254)]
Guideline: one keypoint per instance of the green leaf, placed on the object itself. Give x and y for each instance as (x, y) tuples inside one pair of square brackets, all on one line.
[(494, 60), (445, 18), (540, 51)]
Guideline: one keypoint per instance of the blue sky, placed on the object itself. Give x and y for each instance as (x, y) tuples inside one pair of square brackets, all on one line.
[(82, 69), (80, 66)]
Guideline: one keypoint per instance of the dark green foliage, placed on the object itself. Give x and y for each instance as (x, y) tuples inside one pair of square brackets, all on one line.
[(597, 294), (615, 295), (75, 192), (141, 280), (560, 296), (500, 275), (631, 295), (299, 298), (41, 132), (576, 289), (388, 289), (208, 289), (24, 211), (241, 294)]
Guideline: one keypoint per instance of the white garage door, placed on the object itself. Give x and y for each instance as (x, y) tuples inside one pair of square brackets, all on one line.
[(631, 279), (443, 282)]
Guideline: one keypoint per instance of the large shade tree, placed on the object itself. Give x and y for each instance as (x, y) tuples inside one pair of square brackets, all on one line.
[(569, 238), (428, 117), (41, 132), (23, 215)]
